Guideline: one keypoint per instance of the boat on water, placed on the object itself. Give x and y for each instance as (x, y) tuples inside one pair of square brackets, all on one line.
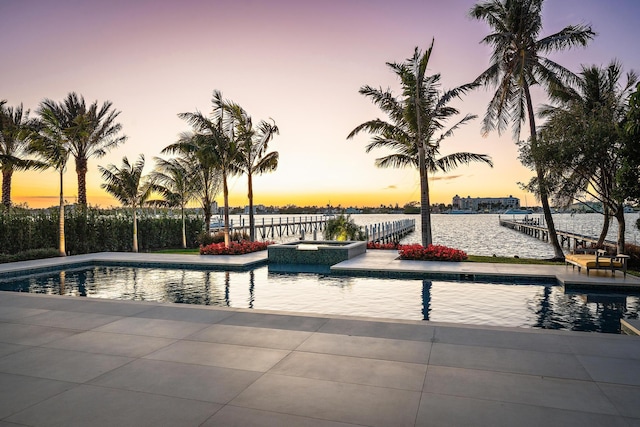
[(216, 223), (518, 212)]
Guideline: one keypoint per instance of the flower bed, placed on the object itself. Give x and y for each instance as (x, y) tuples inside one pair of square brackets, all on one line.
[(378, 245), (234, 248), (431, 253)]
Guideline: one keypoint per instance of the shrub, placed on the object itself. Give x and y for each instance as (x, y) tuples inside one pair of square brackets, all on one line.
[(431, 253), (234, 248), (30, 254), (634, 255), (343, 228)]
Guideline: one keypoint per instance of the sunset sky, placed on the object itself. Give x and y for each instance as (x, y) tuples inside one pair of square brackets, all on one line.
[(298, 62)]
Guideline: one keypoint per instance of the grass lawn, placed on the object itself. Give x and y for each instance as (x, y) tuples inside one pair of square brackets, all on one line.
[(195, 251)]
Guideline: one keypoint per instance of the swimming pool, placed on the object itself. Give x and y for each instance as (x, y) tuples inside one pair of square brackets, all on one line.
[(530, 305)]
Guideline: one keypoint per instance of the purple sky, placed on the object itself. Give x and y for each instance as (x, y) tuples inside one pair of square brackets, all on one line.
[(300, 63)]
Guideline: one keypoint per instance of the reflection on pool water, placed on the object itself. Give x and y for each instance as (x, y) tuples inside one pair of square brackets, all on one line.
[(500, 304)]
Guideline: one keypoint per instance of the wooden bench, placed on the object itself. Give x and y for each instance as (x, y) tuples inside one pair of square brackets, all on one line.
[(598, 261)]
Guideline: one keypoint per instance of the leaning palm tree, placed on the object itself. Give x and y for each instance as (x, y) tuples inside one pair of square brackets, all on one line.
[(252, 147), (14, 131), (49, 141), (585, 133), (127, 184), (516, 65), (100, 134), (415, 119), (176, 184)]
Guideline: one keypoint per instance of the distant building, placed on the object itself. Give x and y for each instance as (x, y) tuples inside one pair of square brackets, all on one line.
[(485, 203)]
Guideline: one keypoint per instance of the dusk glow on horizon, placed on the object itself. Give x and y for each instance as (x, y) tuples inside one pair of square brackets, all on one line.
[(299, 63)]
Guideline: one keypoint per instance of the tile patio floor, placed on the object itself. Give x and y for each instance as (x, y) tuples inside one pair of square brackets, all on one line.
[(68, 361)]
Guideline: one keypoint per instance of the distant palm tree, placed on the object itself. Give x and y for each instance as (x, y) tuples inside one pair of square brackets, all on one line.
[(127, 184), (516, 65), (176, 183), (49, 141), (100, 133), (14, 131), (216, 138), (415, 119), (252, 151)]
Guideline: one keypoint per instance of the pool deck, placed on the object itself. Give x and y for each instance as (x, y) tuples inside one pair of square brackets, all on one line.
[(68, 361)]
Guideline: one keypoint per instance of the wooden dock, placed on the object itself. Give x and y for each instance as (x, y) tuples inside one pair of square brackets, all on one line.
[(312, 227), (388, 232), (570, 240), (271, 228)]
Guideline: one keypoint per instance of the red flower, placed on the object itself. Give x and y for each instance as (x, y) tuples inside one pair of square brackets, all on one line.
[(234, 248), (431, 253)]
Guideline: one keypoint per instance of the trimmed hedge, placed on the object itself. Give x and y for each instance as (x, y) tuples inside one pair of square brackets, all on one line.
[(93, 230)]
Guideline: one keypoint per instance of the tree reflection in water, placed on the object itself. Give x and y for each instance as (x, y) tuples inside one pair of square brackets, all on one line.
[(426, 299)]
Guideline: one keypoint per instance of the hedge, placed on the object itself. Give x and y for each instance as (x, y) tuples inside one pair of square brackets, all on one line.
[(93, 230)]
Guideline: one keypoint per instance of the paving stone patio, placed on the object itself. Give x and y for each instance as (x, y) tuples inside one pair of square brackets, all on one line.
[(69, 361)]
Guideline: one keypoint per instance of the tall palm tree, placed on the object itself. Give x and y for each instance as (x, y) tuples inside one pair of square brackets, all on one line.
[(516, 65), (127, 184), (173, 179), (100, 133), (252, 147), (415, 119), (585, 133), (49, 141), (14, 131), (216, 136)]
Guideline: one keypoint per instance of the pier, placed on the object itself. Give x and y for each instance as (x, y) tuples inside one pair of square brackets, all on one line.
[(391, 231), (272, 228), (570, 240)]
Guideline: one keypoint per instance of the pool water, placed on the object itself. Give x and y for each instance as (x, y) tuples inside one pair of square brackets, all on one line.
[(500, 304)]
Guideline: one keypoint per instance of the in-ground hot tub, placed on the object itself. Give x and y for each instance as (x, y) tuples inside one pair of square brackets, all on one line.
[(318, 252)]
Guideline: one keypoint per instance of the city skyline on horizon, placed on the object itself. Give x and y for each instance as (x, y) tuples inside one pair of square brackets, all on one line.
[(300, 64)]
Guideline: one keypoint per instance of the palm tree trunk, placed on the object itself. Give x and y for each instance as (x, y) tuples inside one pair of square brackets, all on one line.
[(81, 171), (252, 233), (61, 240), (135, 230), (6, 188), (544, 198), (605, 227), (425, 204), (619, 215), (225, 191), (184, 231)]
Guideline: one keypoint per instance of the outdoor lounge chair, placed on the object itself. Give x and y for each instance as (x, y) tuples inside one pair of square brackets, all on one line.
[(598, 261)]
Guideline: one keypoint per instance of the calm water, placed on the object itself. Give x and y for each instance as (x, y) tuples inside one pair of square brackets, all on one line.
[(482, 235), (502, 304)]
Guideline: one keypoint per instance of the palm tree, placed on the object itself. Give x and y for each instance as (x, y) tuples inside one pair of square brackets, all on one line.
[(252, 147), (196, 154), (414, 121), (14, 131), (217, 138), (127, 184), (100, 134), (516, 65), (585, 140), (49, 140), (173, 179)]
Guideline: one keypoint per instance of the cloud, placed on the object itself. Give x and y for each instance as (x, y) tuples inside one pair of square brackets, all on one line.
[(390, 187), (445, 178)]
